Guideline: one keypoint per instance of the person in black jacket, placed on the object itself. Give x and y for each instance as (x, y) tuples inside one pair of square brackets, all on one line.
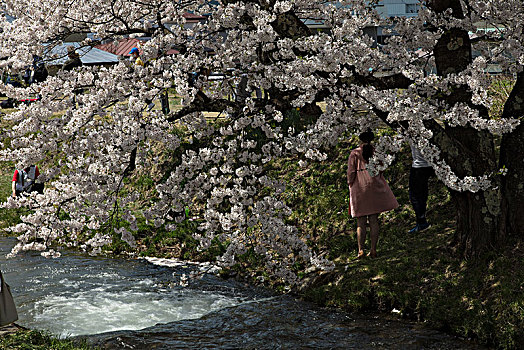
[(37, 72), (24, 181), (73, 62), (73, 59)]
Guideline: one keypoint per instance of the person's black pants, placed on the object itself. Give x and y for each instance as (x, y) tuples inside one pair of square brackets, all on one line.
[(164, 101), (418, 191), (36, 187)]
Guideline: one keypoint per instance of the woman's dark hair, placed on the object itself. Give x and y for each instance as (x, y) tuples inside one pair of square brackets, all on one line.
[(367, 149)]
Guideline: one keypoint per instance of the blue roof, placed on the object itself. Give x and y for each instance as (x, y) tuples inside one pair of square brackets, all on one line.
[(9, 18), (88, 55), (315, 23)]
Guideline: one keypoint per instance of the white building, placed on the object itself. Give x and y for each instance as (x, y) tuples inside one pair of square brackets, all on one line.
[(386, 8), (398, 8)]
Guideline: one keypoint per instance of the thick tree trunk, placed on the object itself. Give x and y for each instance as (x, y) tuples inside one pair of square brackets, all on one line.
[(472, 153), (478, 217), (512, 151), (467, 151), (478, 213), (512, 158)]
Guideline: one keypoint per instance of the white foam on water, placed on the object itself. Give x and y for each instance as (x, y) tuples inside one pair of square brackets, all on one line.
[(202, 266), (75, 295), (68, 283), (99, 310)]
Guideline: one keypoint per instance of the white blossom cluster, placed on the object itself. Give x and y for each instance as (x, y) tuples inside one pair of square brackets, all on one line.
[(92, 144)]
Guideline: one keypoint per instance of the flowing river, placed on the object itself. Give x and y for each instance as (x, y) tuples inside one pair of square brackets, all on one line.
[(134, 304)]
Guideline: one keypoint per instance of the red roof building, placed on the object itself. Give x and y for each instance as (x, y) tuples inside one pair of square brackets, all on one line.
[(191, 17), (121, 47)]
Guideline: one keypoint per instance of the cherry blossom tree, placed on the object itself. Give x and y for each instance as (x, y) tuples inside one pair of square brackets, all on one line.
[(423, 83)]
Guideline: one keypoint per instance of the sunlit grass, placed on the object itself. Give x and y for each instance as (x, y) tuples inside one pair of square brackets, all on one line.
[(38, 340), (8, 217), (419, 275)]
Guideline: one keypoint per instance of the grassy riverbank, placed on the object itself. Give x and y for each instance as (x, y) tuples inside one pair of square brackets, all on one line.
[(38, 340), (416, 276)]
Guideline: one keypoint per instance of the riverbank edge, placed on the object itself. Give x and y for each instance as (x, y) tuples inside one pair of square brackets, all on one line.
[(416, 277), (11, 328), (346, 289), (14, 336), (419, 277)]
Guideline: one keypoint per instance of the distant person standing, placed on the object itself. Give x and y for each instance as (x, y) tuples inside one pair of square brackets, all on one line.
[(8, 313), (135, 57), (24, 181), (37, 72), (73, 59), (368, 195), (137, 61), (242, 92), (419, 175)]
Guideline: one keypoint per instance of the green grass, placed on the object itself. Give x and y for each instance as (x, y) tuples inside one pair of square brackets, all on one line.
[(37, 340), (8, 217), (418, 274)]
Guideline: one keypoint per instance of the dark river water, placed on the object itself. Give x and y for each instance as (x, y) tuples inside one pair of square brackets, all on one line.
[(134, 304)]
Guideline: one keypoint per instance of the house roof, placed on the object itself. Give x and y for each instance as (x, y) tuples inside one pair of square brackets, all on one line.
[(9, 18), (57, 55), (315, 23), (123, 46), (191, 16)]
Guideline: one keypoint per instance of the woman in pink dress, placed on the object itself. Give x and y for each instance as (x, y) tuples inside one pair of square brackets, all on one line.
[(368, 195)]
